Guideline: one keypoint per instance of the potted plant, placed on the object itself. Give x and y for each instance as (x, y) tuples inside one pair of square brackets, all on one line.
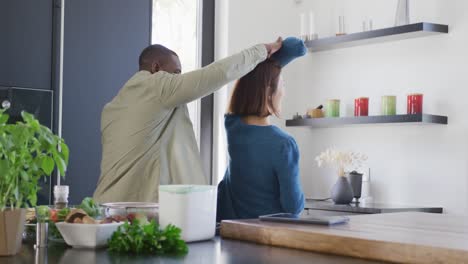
[(342, 192), (28, 151)]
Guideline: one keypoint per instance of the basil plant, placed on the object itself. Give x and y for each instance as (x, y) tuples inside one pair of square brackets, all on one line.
[(28, 151)]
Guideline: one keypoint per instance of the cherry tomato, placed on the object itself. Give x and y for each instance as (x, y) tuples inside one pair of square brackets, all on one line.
[(53, 216)]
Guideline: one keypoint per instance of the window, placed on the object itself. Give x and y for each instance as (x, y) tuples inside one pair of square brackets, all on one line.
[(176, 25)]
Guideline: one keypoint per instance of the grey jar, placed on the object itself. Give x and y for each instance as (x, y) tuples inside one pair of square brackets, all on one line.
[(355, 179), (342, 192)]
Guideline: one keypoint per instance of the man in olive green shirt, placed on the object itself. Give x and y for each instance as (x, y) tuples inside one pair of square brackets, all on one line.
[(146, 132)]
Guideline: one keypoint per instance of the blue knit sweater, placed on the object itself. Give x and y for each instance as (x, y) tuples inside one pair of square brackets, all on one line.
[(263, 173)]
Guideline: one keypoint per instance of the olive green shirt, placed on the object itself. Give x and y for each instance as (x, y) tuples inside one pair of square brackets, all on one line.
[(146, 132)]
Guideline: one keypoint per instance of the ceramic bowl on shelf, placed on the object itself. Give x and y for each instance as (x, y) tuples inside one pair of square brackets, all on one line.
[(315, 113), (87, 235)]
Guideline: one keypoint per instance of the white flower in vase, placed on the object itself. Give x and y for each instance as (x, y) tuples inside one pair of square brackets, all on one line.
[(341, 160), (342, 192)]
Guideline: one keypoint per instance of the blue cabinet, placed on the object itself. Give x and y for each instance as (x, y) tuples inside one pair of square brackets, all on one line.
[(26, 43), (26, 36), (102, 42)]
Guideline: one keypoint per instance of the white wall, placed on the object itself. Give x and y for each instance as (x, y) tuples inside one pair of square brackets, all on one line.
[(419, 165)]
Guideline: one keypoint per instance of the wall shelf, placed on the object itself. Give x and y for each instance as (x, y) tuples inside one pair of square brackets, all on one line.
[(377, 36), (343, 121)]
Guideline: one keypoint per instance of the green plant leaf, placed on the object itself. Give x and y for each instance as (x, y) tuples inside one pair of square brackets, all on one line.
[(62, 167), (12, 156), (27, 117), (16, 192), (3, 118), (4, 167), (47, 165), (46, 130), (35, 125), (33, 165), (48, 138), (90, 206), (24, 176), (37, 161), (32, 198), (65, 151)]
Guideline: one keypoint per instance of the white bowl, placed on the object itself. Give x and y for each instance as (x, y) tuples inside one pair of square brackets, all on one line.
[(87, 235)]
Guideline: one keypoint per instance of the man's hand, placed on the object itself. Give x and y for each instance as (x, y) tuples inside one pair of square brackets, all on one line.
[(274, 47)]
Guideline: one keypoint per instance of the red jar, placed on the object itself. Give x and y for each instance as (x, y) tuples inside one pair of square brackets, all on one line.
[(415, 104), (361, 106)]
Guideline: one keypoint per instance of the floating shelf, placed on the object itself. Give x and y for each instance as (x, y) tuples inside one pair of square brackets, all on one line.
[(376, 36), (343, 121)]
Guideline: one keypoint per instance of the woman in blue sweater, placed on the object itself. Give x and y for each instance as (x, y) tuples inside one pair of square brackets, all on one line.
[(263, 172)]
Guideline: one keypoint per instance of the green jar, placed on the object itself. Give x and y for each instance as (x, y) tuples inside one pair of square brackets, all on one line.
[(388, 105), (332, 108)]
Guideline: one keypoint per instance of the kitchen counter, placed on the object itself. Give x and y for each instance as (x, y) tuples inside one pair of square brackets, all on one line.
[(213, 251), (408, 237), (367, 208)]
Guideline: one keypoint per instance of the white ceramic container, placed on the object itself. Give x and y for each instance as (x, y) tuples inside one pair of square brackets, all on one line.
[(189, 207), (87, 235)]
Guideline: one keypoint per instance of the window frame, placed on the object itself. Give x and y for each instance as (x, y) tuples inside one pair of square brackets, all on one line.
[(206, 49)]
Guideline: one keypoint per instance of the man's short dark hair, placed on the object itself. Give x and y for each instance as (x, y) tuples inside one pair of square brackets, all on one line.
[(154, 52)]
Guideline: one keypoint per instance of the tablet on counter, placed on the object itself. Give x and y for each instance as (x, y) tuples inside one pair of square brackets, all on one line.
[(305, 219)]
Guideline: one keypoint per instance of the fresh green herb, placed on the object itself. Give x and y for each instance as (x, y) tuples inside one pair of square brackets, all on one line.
[(62, 214), (28, 151), (53, 231), (90, 207), (148, 239)]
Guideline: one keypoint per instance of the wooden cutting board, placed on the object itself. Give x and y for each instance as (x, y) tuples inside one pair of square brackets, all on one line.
[(396, 237)]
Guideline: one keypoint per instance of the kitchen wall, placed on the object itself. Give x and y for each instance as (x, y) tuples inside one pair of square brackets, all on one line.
[(419, 165)]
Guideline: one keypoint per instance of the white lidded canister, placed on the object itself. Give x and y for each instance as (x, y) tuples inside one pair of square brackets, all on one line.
[(189, 207), (366, 194)]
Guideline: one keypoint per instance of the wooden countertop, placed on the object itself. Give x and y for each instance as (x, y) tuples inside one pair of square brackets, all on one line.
[(409, 237)]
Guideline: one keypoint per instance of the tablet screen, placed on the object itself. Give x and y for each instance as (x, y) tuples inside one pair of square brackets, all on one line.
[(304, 218), (289, 216)]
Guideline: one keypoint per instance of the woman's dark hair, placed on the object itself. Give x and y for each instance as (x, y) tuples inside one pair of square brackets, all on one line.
[(252, 94)]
